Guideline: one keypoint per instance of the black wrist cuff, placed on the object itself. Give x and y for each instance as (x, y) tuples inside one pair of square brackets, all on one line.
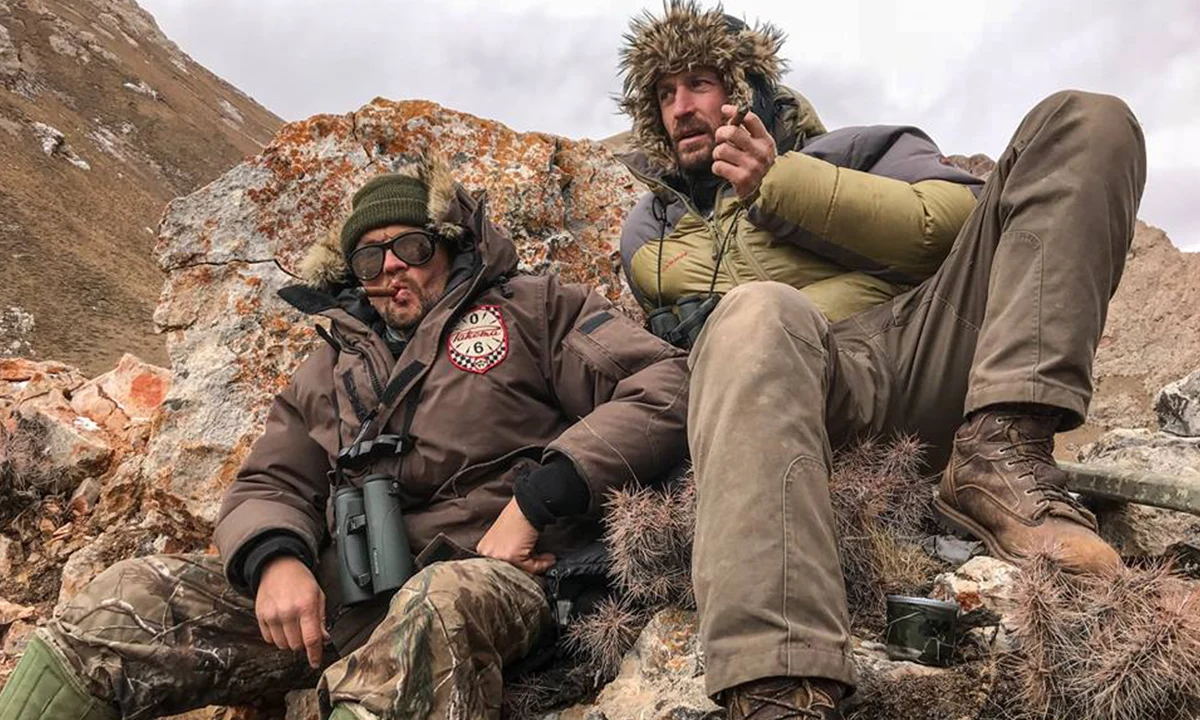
[(554, 490), (267, 548)]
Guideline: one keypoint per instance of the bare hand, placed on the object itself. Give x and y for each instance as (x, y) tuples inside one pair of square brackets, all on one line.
[(291, 608), (744, 153), (512, 539)]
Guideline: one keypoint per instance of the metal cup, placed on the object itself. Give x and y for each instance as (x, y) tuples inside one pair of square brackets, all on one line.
[(922, 630)]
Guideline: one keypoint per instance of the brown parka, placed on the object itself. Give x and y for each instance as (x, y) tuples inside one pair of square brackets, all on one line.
[(503, 372)]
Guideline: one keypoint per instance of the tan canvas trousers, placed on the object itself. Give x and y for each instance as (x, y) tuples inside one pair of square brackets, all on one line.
[(1013, 315), (164, 634)]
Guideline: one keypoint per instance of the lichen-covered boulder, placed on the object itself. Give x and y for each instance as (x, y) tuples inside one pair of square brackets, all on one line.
[(229, 247)]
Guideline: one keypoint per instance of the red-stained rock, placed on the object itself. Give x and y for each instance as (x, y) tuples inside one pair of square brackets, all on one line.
[(136, 388), (89, 402), (54, 447), (21, 380)]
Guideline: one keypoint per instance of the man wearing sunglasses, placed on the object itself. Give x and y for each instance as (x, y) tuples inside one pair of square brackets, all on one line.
[(496, 409)]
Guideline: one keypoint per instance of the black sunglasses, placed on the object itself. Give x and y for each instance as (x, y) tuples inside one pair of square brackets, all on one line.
[(413, 248)]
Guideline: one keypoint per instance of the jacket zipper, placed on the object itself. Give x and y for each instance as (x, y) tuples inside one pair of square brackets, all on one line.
[(372, 373)]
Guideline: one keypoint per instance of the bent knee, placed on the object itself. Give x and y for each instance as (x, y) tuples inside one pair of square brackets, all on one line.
[(758, 311), (1105, 119), (134, 584), (475, 577)]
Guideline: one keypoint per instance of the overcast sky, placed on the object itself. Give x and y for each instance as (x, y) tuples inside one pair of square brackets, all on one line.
[(964, 71)]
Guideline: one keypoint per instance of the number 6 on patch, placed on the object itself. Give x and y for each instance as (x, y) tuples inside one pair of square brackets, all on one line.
[(479, 340)]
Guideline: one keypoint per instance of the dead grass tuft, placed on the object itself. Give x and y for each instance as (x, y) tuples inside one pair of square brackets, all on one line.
[(882, 504)]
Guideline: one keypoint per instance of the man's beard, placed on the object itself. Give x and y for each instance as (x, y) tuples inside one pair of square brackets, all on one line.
[(405, 320), (698, 161)]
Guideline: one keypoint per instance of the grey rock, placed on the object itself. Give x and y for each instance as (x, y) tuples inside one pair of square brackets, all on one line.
[(1178, 406), (16, 328), (983, 583), (10, 58), (661, 678), (1138, 530), (54, 144), (953, 550)]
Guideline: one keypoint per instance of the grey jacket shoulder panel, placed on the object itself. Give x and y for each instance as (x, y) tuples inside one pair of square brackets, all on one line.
[(644, 224), (901, 152)]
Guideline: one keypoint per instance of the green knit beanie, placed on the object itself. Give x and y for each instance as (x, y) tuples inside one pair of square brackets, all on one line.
[(385, 200)]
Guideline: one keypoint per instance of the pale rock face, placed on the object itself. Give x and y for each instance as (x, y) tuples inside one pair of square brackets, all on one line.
[(661, 678), (987, 583), (1138, 530), (54, 144), (10, 59), (141, 88), (66, 46), (1178, 406), (231, 111), (9, 555)]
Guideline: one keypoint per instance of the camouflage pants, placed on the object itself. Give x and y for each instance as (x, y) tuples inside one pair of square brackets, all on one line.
[(165, 634)]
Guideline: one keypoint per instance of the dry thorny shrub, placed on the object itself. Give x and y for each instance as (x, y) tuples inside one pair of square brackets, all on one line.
[(1108, 648), (649, 540), (24, 475), (881, 502), (590, 654), (601, 638)]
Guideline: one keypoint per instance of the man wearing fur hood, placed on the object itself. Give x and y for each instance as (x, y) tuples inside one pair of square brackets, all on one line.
[(865, 288), (493, 411)]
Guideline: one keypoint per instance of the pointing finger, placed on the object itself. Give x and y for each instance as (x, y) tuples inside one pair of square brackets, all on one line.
[(313, 634)]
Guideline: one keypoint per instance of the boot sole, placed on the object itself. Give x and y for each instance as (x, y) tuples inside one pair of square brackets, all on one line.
[(960, 523)]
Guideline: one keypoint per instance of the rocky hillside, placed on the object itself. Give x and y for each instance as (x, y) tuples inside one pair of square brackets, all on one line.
[(102, 121)]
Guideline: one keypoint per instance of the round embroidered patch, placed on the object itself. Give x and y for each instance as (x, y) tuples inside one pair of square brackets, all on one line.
[(479, 340)]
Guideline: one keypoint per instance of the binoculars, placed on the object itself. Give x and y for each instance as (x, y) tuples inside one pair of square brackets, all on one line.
[(681, 325), (373, 552)]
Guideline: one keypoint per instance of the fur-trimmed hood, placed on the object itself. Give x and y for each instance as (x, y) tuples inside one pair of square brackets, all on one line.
[(454, 214), (687, 37)]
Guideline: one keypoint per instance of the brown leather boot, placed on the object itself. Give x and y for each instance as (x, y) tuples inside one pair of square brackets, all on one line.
[(1003, 486), (784, 698)]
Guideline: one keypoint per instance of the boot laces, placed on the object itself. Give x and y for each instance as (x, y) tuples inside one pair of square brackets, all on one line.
[(794, 711), (1032, 452)]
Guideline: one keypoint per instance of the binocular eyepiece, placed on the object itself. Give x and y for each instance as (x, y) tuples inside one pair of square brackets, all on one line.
[(681, 324), (373, 552)]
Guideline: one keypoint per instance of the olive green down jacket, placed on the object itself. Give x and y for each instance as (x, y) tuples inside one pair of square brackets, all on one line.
[(852, 217)]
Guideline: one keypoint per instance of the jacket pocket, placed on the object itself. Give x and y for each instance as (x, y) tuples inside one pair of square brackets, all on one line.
[(473, 476)]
